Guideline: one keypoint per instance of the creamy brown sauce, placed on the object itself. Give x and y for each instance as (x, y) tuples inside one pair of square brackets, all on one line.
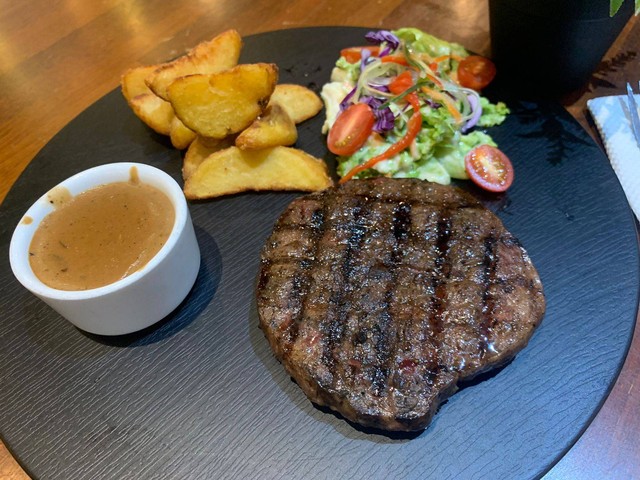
[(100, 236), (27, 220)]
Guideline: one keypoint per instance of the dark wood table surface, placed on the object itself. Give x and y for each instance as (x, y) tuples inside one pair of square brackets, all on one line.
[(58, 57)]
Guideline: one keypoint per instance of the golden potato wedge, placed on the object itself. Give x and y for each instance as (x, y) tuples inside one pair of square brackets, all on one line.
[(216, 55), (221, 104), (271, 129), (153, 111), (181, 135), (132, 82), (298, 101), (233, 171), (199, 150)]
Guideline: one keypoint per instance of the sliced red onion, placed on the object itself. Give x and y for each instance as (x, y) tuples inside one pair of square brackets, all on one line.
[(383, 81), (365, 55), (476, 112), (379, 87)]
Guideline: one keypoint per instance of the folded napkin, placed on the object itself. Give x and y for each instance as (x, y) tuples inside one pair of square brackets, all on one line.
[(613, 120)]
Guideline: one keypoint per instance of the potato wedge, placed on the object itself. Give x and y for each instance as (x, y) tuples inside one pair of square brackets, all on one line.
[(153, 111), (133, 83), (298, 101), (181, 135), (233, 171), (224, 103), (271, 129), (216, 55), (199, 150)]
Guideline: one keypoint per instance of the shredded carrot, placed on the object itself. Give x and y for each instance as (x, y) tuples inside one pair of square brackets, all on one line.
[(434, 79), (395, 59), (442, 58), (413, 128), (433, 65), (443, 98)]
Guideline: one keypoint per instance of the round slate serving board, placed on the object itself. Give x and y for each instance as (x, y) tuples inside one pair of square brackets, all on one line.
[(201, 396)]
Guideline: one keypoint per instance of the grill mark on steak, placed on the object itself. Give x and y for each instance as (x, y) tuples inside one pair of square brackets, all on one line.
[(387, 345), (440, 277), (302, 282), (401, 223), (488, 278), (416, 287), (319, 305), (298, 262), (367, 293), (379, 296), (334, 327), (410, 368)]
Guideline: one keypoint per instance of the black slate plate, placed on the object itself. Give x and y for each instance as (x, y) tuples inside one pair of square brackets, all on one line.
[(201, 396)]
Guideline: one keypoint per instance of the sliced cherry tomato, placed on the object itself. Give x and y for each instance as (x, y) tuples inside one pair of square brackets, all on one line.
[(489, 168), (401, 83), (476, 72), (354, 54), (351, 129)]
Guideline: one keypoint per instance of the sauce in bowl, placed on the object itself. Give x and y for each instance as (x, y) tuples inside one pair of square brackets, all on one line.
[(101, 235)]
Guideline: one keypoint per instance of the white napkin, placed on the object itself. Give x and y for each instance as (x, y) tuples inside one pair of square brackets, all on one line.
[(613, 120)]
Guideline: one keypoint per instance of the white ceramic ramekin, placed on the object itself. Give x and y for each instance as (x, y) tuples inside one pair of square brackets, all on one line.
[(138, 300)]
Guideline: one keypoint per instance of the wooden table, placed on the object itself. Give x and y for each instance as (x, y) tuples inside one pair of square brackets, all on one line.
[(60, 57)]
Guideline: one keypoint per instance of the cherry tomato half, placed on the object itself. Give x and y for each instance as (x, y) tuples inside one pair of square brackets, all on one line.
[(354, 54), (489, 168), (351, 129), (476, 72)]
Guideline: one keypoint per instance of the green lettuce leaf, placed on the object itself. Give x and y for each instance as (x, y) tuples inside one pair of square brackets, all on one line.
[(492, 113), (425, 43), (352, 69)]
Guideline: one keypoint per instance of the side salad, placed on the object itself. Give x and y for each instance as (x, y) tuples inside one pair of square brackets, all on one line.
[(408, 105)]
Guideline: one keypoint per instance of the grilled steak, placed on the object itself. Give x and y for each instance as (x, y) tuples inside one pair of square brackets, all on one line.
[(379, 296)]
